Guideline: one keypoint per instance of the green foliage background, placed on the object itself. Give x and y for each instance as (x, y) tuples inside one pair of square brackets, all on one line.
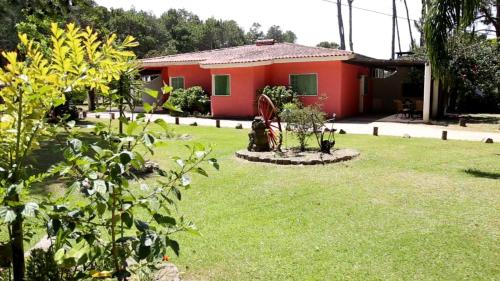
[(175, 31)]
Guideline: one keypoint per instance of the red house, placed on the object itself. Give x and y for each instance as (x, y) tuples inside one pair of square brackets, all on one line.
[(233, 76)]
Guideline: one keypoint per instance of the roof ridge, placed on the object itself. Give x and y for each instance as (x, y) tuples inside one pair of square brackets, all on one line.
[(199, 52), (320, 48)]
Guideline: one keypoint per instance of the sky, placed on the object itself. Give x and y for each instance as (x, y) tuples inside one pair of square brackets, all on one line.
[(312, 21)]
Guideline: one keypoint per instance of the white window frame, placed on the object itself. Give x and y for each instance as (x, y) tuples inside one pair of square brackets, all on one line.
[(173, 77), (317, 83), (213, 85)]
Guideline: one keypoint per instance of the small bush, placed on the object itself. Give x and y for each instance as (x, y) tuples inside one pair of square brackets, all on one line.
[(280, 95), (302, 121), (190, 100), (42, 267)]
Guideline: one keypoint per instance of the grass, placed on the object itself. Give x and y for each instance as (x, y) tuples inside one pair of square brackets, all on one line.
[(407, 209)]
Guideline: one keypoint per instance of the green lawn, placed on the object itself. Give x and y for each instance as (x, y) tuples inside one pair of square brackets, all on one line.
[(407, 209)]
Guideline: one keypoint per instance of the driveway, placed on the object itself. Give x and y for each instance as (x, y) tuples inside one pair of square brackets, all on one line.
[(351, 126)]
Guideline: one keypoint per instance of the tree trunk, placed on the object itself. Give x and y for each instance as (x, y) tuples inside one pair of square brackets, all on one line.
[(92, 100), (409, 24), (351, 45), (393, 46), (497, 21), (17, 248), (397, 32), (423, 15), (341, 25)]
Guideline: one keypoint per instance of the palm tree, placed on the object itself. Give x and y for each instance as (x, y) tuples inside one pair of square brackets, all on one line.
[(341, 25), (409, 24), (393, 46), (445, 18), (351, 45)]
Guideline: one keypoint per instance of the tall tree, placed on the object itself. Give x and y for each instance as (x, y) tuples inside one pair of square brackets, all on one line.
[(490, 11), (232, 34), (393, 44), (351, 45), (341, 25), (329, 45), (254, 33), (409, 24), (444, 19), (275, 32), (289, 37)]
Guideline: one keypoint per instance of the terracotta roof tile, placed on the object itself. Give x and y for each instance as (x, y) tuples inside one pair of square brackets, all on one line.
[(246, 54)]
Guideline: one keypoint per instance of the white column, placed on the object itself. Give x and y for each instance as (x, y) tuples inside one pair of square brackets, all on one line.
[(427, 92), (435, 98)]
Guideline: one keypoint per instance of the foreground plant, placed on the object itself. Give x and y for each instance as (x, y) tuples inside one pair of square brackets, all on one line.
[(120, 221), (33, 83)]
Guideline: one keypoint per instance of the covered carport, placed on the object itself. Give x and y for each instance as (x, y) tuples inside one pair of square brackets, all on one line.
[(400, 80)]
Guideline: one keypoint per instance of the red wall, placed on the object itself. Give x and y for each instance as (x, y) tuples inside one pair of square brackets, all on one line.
[(193, 75), (338, 86), (245, 82), (351, 90), (329, 85)]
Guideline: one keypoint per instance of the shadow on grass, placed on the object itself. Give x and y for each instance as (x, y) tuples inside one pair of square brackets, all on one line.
[(47, 155), (481, 174)]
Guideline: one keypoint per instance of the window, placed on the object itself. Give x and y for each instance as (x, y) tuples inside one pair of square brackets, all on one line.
[(221, 85), (177, 82), (304, 84), (149, 78)]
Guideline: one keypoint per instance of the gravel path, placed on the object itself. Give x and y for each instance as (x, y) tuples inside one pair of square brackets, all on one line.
[(366, 128)]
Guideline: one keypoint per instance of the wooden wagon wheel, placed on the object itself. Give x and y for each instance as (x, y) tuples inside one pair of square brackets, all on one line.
[(269, 114)]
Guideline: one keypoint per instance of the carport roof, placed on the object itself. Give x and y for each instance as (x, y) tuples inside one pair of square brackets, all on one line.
[(372, 62)]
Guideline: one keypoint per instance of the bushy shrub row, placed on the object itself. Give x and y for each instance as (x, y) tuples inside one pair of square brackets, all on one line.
[(191, 100)]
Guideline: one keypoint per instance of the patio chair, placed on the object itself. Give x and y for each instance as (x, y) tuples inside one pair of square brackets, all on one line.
[(400, 108), (419, 107)]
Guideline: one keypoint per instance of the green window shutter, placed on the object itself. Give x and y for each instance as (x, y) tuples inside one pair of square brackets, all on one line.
[(221, 85), (177, 83), (304, 84)]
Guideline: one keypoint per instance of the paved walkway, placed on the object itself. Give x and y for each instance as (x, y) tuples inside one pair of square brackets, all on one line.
[(365, 128)]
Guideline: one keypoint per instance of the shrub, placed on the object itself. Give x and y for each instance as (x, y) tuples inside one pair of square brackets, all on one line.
[(281, 95), (190, 100), (302, 121), (41, 266)]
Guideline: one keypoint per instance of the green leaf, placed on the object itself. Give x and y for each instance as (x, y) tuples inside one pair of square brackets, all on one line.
[(97, 149), (162, 123), (152, 93), (131, 127), (76, 145), (174, 245), (186, 180), (180, 162), (169, 106), (161, 219), (59, 256), (101, 208), (7, 214), (200, 171), (100, 186), (141, 225), (79, 251), (127, 219), (147, 107), (126, 157), (167, 89), (30, 209), (71, 124), (214, 163), (148, 139)]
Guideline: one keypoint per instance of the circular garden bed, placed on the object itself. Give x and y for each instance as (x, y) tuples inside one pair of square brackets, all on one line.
[(294, 157)]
